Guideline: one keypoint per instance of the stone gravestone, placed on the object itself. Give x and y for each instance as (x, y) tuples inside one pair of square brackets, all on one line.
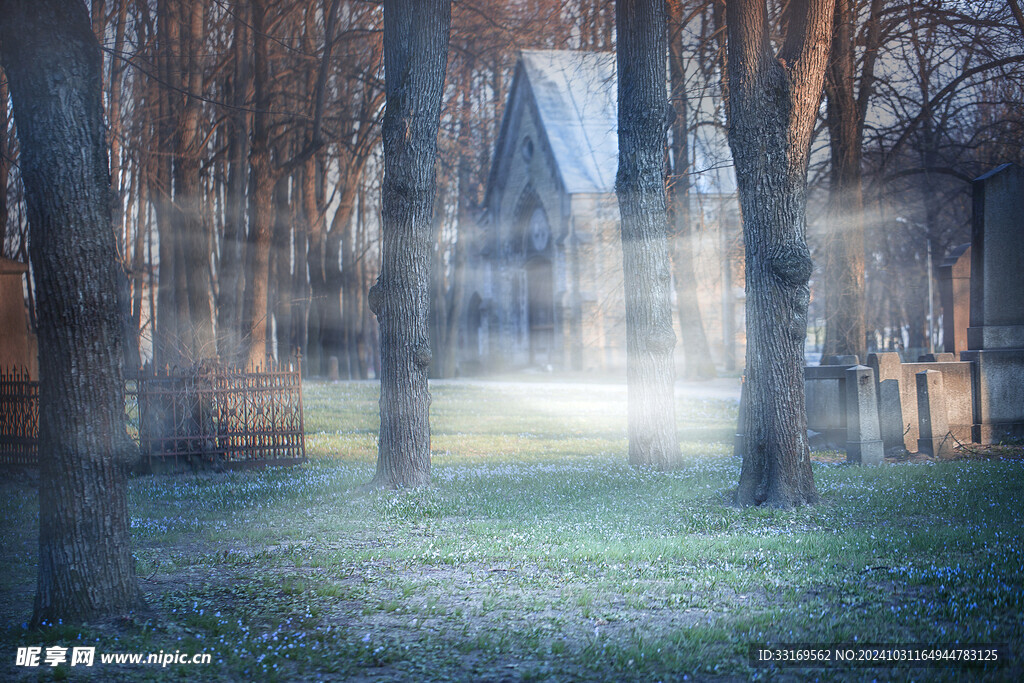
[(995, 338), (933, 422), (890, 416), (955, 294), (863, 440)]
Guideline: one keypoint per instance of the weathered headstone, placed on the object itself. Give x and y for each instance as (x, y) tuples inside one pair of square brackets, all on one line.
[(332, 369), (995, 339), (825, 403), (890, 416), (863, 441), (955, 295), (933, 424)]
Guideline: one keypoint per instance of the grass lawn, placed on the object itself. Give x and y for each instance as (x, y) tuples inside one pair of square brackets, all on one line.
[(539, 554)]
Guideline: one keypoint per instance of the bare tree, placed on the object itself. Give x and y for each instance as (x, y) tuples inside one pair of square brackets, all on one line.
[(694, 340), (773, 104), (53, 63), (640, 185), (844, 238), (415, 58)]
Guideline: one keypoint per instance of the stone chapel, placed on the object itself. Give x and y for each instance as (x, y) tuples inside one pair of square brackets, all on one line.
[(544, 283)]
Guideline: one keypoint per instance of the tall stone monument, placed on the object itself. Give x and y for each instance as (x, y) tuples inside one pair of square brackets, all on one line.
[(995, 338)]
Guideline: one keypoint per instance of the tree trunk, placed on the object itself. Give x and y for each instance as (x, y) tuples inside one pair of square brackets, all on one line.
[(281, 271), (188, 195), (166, 340), (230, 293), (315, 226), (53, 63), (415, 57), (844, 240), (640, 186), (696, 351), (254, 328), (773, 103)]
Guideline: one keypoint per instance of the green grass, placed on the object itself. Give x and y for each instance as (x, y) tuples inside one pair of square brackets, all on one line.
[(539, 554)]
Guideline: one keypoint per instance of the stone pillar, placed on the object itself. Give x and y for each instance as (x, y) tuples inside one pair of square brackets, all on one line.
[(955, 294), (995, 339), (863, 442), (888, 368), (932, 419)]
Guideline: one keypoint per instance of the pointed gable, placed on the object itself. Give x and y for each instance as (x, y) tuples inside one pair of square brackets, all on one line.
[(573, 93)]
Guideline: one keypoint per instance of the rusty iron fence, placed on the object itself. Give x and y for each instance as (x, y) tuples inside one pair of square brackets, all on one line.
[(220, 415), (205, 415), (19, 417)]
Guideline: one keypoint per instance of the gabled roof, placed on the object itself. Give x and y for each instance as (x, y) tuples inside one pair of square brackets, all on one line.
[(576, 98), (575, 94)]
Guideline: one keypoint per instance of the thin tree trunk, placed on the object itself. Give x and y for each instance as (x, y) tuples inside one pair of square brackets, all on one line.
[(281, 270), (188, 196), (696, 351), (844, 240), (438, 290), (254, 328), (415, 56), (773, 103), (230, 293), (53, 62), (315, 263), (640, 186), (166, 346)]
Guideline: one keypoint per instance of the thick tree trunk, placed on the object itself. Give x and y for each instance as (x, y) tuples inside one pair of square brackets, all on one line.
[(773, 103), (52, 60), (696, 352), (415, 58), (640, 185), (844, 240)]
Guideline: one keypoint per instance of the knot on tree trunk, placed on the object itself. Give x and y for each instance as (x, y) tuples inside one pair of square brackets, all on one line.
[(421, 354), (375, 297), (662, 340), (791, 263)]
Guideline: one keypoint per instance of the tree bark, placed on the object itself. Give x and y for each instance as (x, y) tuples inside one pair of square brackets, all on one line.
[(231, 290), (640, 186), (773, 104), (415, 58), (254, 327), (53, 63), (193, 231)]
